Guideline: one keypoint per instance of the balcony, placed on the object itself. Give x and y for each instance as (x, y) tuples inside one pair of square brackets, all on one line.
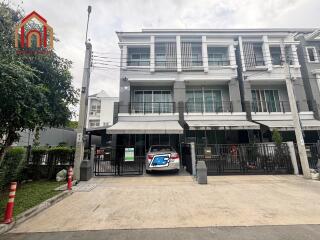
[(208, 107), (151, 107)]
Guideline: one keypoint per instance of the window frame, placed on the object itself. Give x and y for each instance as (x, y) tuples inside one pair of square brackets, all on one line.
[(315, 55), (224, 59), (203, 102), (141, 59), (262, 104)]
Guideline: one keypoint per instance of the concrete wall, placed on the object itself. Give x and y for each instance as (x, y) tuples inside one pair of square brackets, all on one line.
[(53, 137)]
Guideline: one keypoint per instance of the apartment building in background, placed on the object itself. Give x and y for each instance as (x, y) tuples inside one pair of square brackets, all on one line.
[(208, 86), (100, 110)]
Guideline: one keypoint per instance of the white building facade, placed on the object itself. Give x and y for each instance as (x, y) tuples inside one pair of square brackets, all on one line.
[(100, 110)]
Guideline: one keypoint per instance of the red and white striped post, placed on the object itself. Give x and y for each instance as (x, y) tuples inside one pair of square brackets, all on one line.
[(9, 210), (70, 174)]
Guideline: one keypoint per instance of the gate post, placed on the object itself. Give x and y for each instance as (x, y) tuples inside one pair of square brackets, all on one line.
[(193, 158), (293, 158)]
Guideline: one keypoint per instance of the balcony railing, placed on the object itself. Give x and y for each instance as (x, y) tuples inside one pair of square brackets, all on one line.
[(138, 63), (270, 106), (208, 107), (151, 107), (219, 63)]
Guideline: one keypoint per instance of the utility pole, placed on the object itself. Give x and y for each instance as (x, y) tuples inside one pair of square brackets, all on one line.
[(80, 144), (296, 120)]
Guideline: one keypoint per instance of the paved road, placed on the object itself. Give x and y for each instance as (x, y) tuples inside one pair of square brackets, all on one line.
[(292, 232)]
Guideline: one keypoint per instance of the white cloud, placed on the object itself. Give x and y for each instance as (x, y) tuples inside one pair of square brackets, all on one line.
[(68, 18)]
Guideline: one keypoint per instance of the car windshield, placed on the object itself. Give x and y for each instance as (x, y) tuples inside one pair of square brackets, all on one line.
[(161, 149)]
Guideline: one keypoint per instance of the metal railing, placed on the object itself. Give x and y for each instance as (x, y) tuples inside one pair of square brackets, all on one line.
[(137, 63), (209, 107), (152, 107), (268, 106), (219, 63)]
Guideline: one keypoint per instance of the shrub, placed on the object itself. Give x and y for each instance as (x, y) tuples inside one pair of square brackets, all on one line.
[(13, 166)]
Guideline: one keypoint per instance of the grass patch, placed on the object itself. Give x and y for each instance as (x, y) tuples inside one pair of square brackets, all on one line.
[(29, 195)]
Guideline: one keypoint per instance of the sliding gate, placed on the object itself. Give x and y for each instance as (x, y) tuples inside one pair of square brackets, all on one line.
[(115, 161)]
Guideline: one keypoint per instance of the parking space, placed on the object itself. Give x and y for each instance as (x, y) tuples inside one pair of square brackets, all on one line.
[(171, 201)]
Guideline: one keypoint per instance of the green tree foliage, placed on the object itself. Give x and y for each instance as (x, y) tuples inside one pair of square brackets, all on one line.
[(73, 124), (35, 89)]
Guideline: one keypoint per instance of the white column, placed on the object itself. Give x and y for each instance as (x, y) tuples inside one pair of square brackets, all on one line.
[(124, 56), (152, 54), (242, 54), (293, 158), (205, 54), (232, 56), (266, 53), (295, 56), (178, 42)]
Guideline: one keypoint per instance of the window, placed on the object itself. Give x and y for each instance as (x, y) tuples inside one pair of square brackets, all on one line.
[(166, 55), (218, 56), (191, 53), (95, 108), (94, 123), (289, 55), (204, 100), (266, 101), (276, 55), (152, 101), (138, 56), (253, 54), (312, 54)]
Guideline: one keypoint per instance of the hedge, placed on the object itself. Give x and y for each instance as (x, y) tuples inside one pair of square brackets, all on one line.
[(13, 167)]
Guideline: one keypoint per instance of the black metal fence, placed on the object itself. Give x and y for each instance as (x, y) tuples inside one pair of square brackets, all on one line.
[(313, 154), (112, 161), (47, 164), (245, 159)]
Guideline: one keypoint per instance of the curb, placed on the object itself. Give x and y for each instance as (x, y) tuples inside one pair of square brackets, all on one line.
[(34, 211)]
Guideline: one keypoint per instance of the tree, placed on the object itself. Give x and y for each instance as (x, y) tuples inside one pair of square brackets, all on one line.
[(73, 124), (35, 90)]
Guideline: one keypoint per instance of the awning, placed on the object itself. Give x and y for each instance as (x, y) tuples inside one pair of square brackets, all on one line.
[(287, 125), (221, 125), (155, 127)]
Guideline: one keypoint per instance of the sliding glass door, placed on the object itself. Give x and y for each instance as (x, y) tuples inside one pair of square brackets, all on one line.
[(152, 101), (204, 100)]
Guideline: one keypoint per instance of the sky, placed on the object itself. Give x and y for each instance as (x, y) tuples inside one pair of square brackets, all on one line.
[(68, 19)]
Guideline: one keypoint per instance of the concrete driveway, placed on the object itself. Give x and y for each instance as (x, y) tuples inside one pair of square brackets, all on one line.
[(177, 201)]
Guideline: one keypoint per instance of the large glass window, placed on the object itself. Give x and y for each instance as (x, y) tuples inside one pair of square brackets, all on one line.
[(152, 101), (275, 55), (166, 55), (266, 101), (218, 56), (138, 56), (191, 53), (204, 100), (253, 54)]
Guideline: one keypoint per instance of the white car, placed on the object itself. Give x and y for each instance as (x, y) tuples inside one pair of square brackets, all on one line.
[(162, 158)]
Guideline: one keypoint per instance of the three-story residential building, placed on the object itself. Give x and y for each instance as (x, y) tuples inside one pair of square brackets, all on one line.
[(309, 58), (207, 86)]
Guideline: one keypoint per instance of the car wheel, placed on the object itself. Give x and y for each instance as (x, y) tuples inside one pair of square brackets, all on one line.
[(148, 171)]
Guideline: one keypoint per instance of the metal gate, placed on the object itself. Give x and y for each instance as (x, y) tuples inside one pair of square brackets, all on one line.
[(223, 159), (111, 162)]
